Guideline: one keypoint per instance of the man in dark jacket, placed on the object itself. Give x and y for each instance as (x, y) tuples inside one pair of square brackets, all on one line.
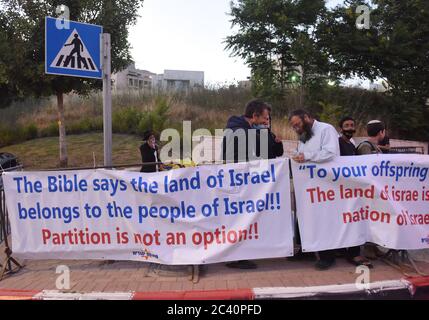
[(247, 138), (243, 135), (149, 153), (347, 149), (275, 145)]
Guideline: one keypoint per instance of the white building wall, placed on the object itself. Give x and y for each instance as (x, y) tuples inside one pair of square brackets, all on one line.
[(178, 80), (170, 81), (132, 79)]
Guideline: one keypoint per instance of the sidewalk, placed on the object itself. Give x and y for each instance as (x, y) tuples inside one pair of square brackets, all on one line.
[(123, 277)]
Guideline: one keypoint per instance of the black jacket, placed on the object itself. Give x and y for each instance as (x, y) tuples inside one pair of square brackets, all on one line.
[(232, 141), (275, 149), (148, 156), (346, 148)]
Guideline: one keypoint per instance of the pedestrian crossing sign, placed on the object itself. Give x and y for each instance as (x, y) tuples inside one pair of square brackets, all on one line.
[(73, 51)]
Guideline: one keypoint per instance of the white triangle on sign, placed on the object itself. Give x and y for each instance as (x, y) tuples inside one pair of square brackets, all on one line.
[(74, 55)]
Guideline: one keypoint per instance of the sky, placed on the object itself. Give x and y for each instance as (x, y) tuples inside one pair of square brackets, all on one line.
[(187, 35)]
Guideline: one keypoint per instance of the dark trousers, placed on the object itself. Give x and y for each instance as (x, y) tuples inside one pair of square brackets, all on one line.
[(328, 255), (353, 252), (297, 233)]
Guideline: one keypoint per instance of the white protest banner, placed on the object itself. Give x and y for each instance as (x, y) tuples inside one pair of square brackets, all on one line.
[(346, 202), (196, 215)]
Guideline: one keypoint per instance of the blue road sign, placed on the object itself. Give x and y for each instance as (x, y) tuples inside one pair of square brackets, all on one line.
[(75, 51)]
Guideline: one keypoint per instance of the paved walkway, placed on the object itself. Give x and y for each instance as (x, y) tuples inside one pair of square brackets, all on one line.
[(102, 276)]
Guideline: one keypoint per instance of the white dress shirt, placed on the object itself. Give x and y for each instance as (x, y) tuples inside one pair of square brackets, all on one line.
[(323, 145)]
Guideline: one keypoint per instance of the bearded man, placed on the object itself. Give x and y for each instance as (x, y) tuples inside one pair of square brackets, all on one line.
[(347, 130), (318, 142)]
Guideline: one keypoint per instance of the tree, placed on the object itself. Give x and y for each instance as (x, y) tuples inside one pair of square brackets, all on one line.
[(8, 90), (22, 29), (395, 48), (277, 39)]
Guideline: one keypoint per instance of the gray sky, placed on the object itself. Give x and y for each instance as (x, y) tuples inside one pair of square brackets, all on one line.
[(187, 35)]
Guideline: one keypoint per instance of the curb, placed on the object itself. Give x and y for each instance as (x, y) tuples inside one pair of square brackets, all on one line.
[(343, 290), (241, 294), (409, 286), (11, 294)]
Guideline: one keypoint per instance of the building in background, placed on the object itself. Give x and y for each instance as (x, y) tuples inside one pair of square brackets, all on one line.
[(178, 81), (245, 84), (132, 79)]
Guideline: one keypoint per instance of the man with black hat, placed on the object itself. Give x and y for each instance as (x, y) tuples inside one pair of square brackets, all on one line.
[(149, 152)]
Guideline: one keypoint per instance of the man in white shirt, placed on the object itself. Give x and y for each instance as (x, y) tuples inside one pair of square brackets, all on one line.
[(318, 142)]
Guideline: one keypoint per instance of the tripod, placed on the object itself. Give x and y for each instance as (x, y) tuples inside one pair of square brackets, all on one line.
[(7, 266), (401, 260)]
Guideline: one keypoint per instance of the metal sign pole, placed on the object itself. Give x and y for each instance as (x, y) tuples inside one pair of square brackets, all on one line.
[(107, 99)]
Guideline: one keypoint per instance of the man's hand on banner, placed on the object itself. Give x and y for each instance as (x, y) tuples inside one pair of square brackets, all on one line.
[(299, 158)]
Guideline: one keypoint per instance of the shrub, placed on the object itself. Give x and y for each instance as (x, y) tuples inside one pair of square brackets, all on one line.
[(11, 135), (330, 113), (126, 120), (30, 131), (156, 119), (50, 131), (6, 136)]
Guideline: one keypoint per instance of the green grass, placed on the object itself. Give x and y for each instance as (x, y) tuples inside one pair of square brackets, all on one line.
[(44, 153)]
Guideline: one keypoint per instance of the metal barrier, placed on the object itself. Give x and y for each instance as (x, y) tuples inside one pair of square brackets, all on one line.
[(6, 267), (4, 218), (5, 227), (407, 150), (10, 265)]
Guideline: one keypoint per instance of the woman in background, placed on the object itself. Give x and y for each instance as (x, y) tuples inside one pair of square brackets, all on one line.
[(149, 152)]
